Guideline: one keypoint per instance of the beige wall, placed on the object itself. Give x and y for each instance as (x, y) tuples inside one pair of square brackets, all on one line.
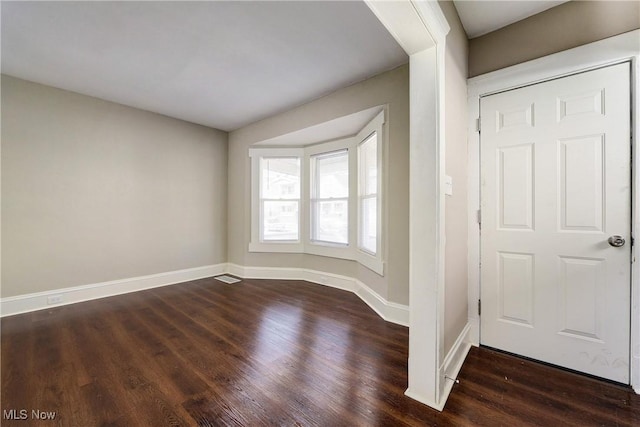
[(563, 27), (455, 309), (390, 88), (95, 191)]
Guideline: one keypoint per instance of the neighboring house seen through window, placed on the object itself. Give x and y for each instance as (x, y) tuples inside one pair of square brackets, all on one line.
[(280, 198)]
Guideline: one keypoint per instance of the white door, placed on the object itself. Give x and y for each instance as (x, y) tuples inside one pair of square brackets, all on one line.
[(555, 186)]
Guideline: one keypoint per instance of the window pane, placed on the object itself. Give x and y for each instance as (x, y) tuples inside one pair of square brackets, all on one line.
[(332, 174), (369, 165), (331, 221), (369, 224), (280, 220), (280, 178)]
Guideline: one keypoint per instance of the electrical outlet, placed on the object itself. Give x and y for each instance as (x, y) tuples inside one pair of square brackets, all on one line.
[(55, 299)]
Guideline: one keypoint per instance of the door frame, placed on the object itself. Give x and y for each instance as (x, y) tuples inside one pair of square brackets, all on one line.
[(610, 51)]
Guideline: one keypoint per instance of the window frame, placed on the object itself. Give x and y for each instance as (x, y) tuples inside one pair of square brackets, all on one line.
[(264, 200), (328, 249), (306, 244), (258, 243), (315, 199), (363, 195), (373, 261)]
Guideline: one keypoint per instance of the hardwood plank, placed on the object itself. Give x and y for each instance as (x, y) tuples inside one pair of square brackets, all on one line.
[(122, 376), (255, 374), (16, 359), (267, 352)]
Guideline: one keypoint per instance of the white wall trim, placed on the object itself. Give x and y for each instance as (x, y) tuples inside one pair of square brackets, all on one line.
[(404, 22), (449, 370), (420, 27), (38, 301), (625, 47), (474, 330), (388, 310), (453, 363), (433, 19)]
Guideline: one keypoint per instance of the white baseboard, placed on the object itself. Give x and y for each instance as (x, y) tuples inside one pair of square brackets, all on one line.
[(280, 273), (448, 371), (453, 363), (389, 311), (38, 301), (422, 399)]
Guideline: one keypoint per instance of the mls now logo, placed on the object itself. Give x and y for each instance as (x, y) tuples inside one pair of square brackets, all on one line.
[(23, 414)]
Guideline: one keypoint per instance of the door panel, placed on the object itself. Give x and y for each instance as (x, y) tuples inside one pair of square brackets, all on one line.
[(581, 172), (515, 180), (515, 279), (555, 185), (582, 284)]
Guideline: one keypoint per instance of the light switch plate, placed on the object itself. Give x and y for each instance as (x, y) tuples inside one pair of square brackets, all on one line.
[(448, 185)]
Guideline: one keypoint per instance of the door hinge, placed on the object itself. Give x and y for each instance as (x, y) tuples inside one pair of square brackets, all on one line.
[(479, 307), (478, 124)]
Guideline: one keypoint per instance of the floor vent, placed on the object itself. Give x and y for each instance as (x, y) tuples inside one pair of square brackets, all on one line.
[(227, 279)]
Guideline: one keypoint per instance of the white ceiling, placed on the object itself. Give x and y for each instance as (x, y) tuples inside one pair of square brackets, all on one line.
[(480, 17), (223, 64), (220, 64)]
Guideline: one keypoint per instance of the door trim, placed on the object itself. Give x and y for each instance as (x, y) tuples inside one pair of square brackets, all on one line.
[(622, 48)]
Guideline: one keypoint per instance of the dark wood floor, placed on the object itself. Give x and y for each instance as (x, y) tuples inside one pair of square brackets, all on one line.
[(266, 353)]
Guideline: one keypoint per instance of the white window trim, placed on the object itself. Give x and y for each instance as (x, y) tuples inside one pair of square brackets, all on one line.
[(373, 261), (325, 248), (306, 245), (256, 244), (315, 199)]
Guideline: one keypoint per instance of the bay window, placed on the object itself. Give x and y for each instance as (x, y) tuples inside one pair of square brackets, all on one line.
[(323, 199)]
